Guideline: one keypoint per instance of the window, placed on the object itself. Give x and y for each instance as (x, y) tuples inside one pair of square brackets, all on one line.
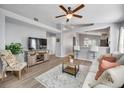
[(121, 40), (89, 42)]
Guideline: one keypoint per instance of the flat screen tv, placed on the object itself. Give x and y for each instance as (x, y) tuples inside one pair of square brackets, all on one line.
[(44, 42), (36, 43)]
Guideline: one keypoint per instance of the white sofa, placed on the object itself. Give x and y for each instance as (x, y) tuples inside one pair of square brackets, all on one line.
[(113, 77)]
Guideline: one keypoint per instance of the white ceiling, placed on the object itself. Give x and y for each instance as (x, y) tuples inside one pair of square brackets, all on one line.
[(92, 13)]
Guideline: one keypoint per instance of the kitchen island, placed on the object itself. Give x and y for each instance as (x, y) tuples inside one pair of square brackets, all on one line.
[(86, 54)]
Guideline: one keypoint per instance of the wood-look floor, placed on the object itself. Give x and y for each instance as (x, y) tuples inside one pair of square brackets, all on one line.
[(28, 80)]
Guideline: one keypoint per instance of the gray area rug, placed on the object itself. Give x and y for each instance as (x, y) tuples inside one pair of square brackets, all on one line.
[(54, 78)]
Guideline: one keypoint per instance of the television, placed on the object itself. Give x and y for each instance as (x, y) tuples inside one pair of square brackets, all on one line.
[(44, 42), (37, 43)]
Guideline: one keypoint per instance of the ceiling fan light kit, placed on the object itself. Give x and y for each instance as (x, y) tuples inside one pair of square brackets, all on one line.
[(70, 13), (69, 16)]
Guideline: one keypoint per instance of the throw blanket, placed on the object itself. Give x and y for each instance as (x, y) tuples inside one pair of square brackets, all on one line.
[(104, 65), (112, 78)]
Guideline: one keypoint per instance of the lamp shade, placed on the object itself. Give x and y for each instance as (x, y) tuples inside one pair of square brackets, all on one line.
[(77, 48)]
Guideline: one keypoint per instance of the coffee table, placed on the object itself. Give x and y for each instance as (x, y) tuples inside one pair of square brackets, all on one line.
[(70, 68)]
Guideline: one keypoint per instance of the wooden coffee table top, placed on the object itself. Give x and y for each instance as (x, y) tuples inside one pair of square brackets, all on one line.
[(75, 63)]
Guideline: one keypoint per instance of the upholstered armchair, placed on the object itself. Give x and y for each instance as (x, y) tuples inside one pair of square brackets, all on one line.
[(12, 64)]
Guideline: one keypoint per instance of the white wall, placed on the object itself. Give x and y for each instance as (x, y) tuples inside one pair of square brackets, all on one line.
[(19, 32), (59, 48), (51, 45), (122, 24), (67, 44), (20, 18), (114, 36), (58, 45), (2, 35), (2, 32)]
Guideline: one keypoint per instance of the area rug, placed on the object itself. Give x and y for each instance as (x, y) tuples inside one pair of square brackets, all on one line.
[(54, 78)]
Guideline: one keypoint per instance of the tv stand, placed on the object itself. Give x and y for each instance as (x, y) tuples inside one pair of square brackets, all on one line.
[(34, 57)]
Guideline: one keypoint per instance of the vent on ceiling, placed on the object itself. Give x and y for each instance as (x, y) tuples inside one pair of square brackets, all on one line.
[(36, 19)]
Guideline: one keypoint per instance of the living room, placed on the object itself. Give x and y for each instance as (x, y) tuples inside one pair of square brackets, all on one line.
[(60, 52)]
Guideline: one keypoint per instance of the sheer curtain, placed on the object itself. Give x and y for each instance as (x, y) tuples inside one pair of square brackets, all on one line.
[(121, 40)]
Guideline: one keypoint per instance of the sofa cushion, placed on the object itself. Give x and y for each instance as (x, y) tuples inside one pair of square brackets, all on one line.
[(89, 79), (105, 79), (94, 68), (117, 55), (121, 60), (113, 77), (17, 67), (101, 86)]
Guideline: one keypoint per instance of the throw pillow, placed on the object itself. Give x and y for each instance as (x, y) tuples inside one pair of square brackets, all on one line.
[(104, 65), (103, 56), (121, 60), (11, 60), (109, 58)]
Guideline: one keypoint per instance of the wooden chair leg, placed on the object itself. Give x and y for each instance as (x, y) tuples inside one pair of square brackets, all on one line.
[(1, 79), (19, 74), (3, 76)]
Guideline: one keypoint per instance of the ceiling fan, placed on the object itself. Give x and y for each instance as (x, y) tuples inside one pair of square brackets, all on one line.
[(70, 13)]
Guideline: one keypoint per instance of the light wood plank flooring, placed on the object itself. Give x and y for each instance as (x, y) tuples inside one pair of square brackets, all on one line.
[(28, 80)]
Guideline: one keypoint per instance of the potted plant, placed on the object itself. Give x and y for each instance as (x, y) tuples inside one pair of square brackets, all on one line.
[(16, 49)]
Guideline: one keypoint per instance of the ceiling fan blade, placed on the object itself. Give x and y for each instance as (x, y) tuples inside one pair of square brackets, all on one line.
[(60, 16), (67, 20), (63, 8), (78, 8), (79, 16), (83, 25)]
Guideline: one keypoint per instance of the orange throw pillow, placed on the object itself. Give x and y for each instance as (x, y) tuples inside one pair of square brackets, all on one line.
[(104, 65), (109, 58)]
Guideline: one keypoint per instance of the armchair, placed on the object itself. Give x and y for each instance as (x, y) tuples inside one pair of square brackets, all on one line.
[(11, 63)]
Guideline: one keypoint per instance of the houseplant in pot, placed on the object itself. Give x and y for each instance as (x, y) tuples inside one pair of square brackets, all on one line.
[(16, 49)]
